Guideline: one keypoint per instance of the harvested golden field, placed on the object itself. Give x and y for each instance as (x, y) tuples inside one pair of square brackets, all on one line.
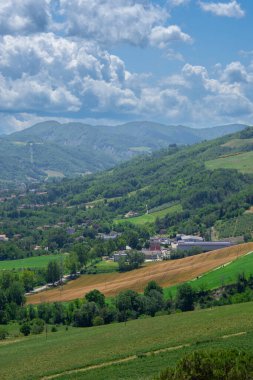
[(166, 273)]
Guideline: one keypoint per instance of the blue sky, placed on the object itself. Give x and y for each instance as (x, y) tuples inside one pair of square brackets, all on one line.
[(109, 61)]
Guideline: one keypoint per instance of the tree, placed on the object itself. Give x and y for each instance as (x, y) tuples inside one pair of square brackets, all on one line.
[(53, 273), (72, 263), (128, 304), (15, 293), (185, 297), (84, 317), (135, 259), (155, 302), (28, 279), (82, 251), (96, 296), (152, 285)]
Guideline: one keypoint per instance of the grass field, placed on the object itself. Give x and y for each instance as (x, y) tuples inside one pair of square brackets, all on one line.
[(150, 218), (241, 162), (54, 173), (166, 273), (238, 143), (106, 266), (30, 262), (163, 339)]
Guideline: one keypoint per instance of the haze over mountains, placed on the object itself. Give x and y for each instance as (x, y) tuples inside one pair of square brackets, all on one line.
[(54, 149)]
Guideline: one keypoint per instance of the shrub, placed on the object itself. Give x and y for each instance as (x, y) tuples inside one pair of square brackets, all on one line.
[(37, 326), (3, 334), (25, 329), (54, 329), (98, 321), (215, 364)]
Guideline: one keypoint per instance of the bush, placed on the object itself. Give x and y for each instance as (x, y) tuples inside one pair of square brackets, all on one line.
[(37, 326), (25, 329), (54, 329), (3, 334), (215, 364), (98, 321)]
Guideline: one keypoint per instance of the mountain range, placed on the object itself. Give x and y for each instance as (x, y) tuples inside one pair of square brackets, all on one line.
[(51, 149)]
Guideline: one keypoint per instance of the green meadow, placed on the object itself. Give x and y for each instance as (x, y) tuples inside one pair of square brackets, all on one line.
[(146, 345), (150, 218), (242, 162), (30, 262)]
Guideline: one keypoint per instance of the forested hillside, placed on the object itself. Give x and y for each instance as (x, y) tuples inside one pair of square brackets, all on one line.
[(175, 175), (173, 190), (51, 149)]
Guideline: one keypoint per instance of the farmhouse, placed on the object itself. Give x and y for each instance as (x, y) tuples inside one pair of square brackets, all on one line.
[(131, 214), (152, 255), (118, 255), (111, 236), (3, 237)]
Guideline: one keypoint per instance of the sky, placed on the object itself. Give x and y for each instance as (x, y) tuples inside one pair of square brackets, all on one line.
[(106, 62)]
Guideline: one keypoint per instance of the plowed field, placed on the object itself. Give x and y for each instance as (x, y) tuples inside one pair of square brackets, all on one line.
[(166, 273)]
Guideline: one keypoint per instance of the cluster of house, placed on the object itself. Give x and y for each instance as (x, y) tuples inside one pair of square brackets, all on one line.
[(160, 248)]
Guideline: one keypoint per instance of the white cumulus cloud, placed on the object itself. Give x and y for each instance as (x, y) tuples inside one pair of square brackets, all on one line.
[(162, 36), (231, 9), (111, 21), (24, 16)]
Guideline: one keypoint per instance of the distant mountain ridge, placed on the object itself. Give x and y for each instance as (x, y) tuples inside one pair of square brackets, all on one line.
[(51, 148)]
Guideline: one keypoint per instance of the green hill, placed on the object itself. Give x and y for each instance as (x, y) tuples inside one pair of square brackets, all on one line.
[(179, 176), (72, 149)]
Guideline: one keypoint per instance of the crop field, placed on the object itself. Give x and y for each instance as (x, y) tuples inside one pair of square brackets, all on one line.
[(150, 218), (167, 273), (136, 350), (241, 162), (31, 262)]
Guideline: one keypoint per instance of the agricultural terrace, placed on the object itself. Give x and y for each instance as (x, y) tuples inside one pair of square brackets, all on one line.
[(142, 347), (238, 161), (30, 262), (166, 273)]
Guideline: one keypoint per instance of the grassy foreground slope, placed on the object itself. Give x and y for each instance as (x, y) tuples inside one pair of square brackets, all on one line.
[(36, 357), (166, 273)]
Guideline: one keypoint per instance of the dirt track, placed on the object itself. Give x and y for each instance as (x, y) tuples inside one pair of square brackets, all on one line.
[(166, 273)]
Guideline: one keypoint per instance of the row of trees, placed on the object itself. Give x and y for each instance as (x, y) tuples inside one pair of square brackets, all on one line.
[(94, 310)]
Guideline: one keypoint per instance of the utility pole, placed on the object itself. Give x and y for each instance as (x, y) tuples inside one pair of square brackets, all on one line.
[(31, 153)]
